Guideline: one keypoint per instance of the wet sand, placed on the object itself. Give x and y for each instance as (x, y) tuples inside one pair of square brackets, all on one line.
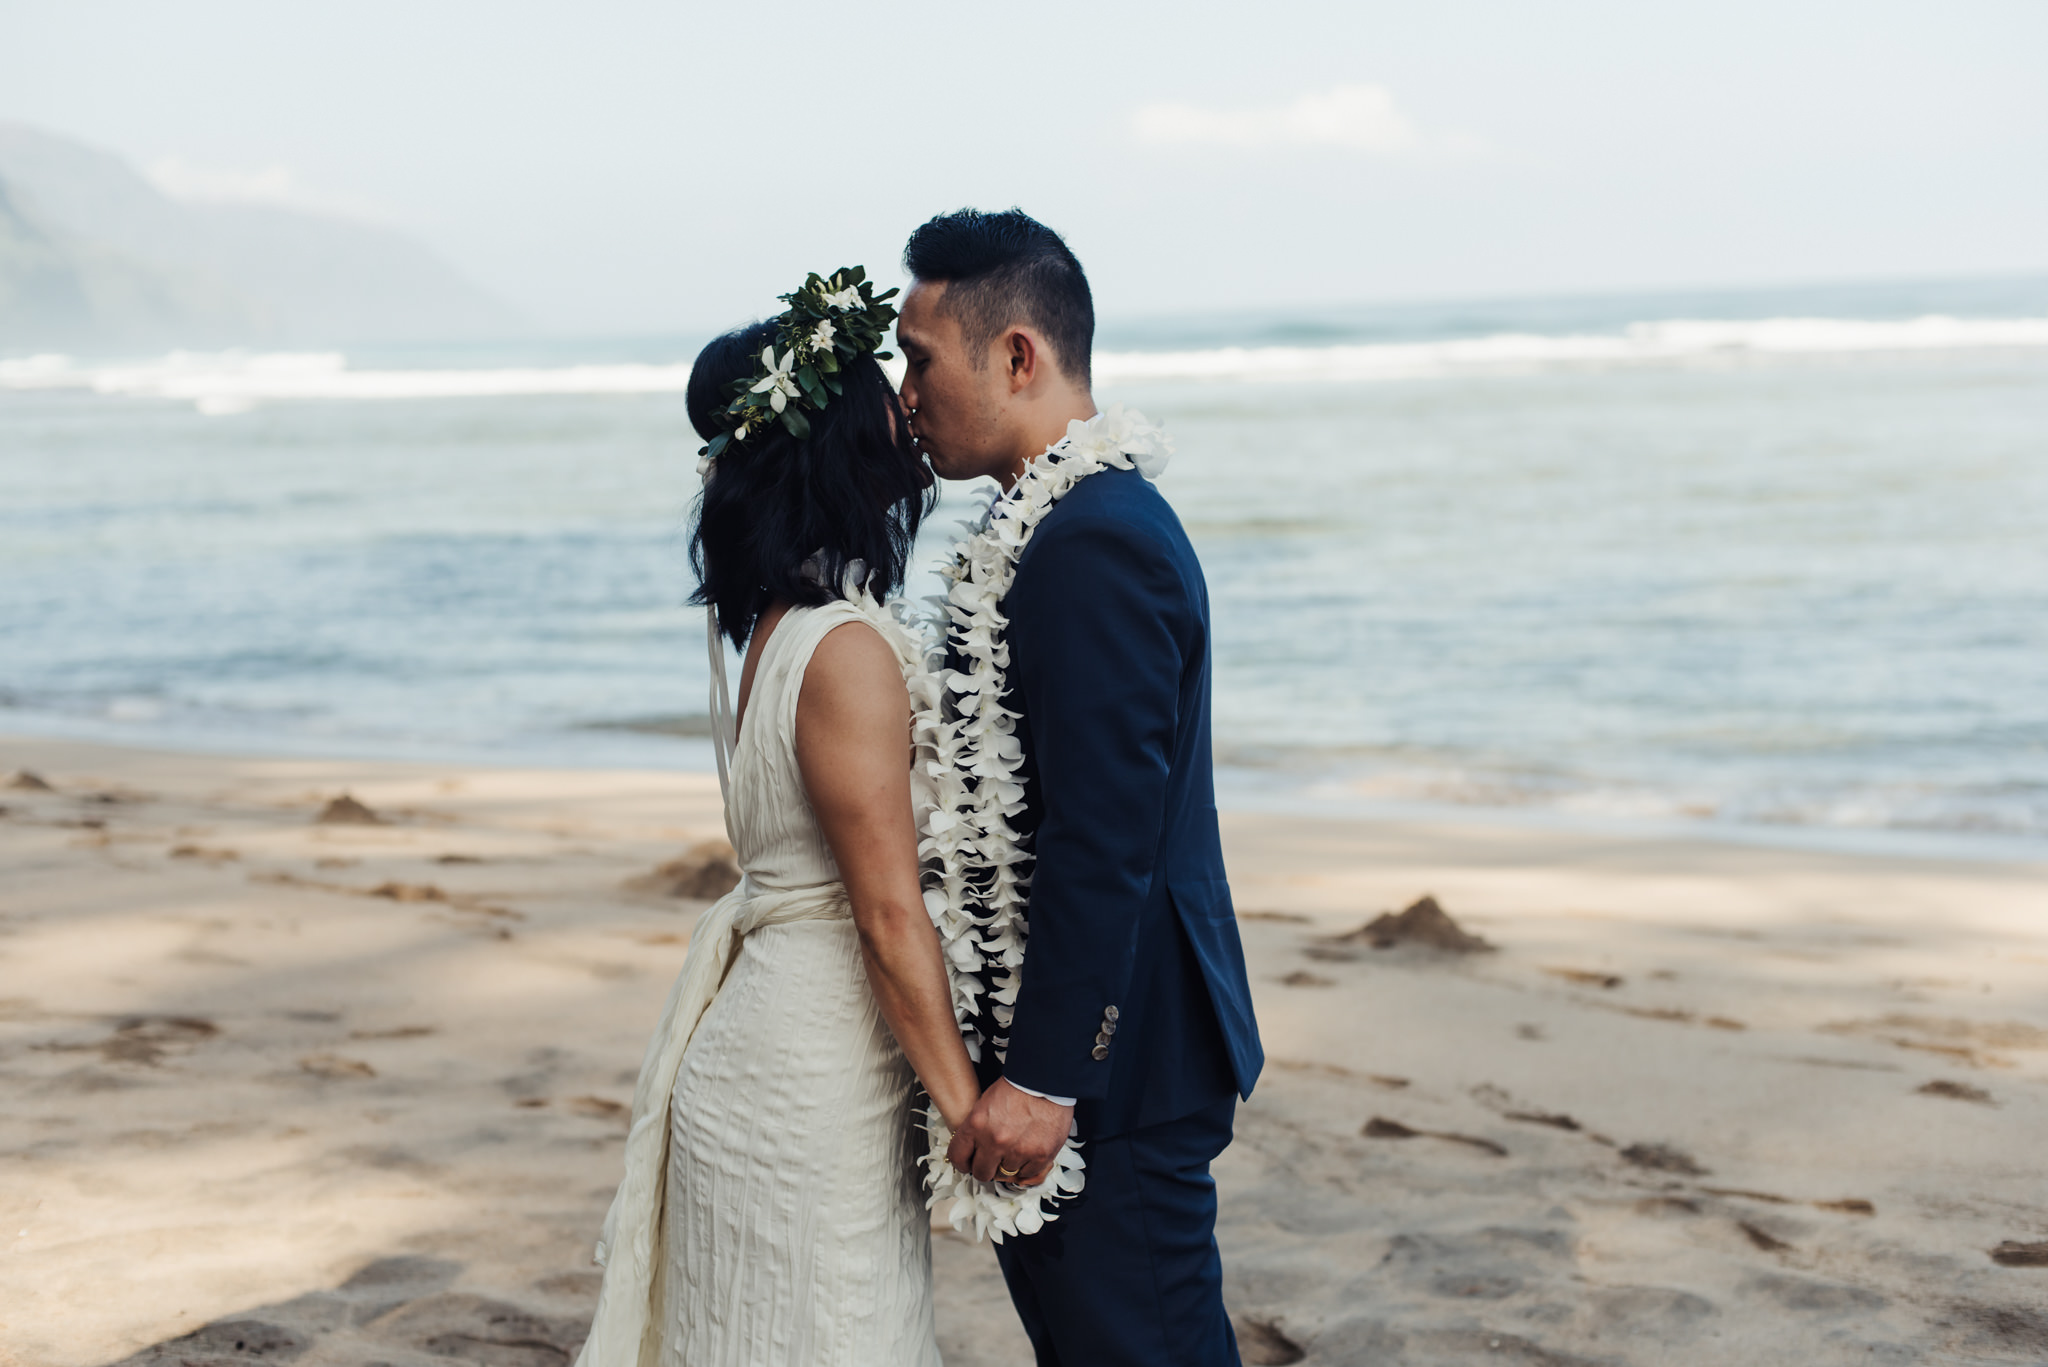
[(284, 1090)]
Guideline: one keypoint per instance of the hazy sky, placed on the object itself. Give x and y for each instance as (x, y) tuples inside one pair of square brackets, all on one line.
[(616, 165)]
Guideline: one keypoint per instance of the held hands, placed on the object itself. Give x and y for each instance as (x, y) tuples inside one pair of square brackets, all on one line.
[(1010, 1136)]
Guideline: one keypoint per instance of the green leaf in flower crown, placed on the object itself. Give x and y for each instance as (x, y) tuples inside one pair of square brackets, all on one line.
[(835, 384), (885, 355), (828, 361), (795, 422), (716, 446)]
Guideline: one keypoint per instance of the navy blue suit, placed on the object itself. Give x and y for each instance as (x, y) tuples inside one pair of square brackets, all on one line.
[(1134, 998)]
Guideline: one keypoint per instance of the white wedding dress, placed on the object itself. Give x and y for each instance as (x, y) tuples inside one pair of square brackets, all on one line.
[(771, 1211)]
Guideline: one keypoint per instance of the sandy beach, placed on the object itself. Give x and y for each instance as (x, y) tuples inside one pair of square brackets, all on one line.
[(280, 1089)]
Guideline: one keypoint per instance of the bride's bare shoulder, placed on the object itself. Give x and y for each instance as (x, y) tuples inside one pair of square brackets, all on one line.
[(853, 673)]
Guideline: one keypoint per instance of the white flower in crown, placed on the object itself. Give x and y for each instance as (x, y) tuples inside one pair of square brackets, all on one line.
[(779, 384), (821, 335), (847, 299)]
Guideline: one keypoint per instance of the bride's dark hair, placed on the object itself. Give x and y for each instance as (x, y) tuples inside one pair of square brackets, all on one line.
[(855, 489)]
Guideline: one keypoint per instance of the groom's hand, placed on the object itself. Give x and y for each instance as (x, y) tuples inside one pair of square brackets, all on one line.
[(1010, 1136)]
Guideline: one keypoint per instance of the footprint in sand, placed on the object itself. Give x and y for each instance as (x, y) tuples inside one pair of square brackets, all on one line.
[(1379, 1127), (1666, 1205), (335, 1066), (1261, 1343), (2014, 1254), (428, 892), (1850, 1205), (597, 1108), (395, 1309), (1662, 1158), (1762, 1238), (1742, 1194), (211, 856), (409, 892), (1847, 1205), (1587, 977), (1955, 1091), (1301, 977), (145, 1040)]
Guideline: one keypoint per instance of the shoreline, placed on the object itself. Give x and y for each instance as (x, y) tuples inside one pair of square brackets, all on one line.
[(365, 1085), (1241, 787)]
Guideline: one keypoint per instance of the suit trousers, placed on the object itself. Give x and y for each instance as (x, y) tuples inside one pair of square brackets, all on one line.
[(1129, 1275)]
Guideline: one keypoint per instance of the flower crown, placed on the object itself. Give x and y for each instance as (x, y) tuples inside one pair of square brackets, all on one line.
[(829, 324)]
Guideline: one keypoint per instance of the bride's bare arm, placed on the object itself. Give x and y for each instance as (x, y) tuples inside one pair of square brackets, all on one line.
[(853, 748)]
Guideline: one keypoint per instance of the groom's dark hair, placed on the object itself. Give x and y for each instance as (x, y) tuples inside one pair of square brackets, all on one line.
[(1006, 268)]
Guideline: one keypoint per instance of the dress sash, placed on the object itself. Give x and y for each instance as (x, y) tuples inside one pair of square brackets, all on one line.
[(627, 1329)]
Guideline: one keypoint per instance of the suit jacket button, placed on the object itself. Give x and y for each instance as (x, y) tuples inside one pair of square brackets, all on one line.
[(1099, 1052), (1109, 1014), (1102, 1038), (1108, 1027)]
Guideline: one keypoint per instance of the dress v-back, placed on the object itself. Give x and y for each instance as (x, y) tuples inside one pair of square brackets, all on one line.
[(794, 1231)]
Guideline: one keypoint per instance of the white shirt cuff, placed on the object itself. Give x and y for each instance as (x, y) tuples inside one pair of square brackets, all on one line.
[(1043, 1096)]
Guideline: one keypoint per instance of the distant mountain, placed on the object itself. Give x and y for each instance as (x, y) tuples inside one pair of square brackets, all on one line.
[(93, 257)]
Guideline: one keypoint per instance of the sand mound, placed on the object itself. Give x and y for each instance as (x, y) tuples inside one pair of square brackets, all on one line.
[(28, 780), (346, 811), (705, 872), (1423, 923)]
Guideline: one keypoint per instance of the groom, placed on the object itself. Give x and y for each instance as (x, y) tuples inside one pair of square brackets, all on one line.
[(1133, 1025)]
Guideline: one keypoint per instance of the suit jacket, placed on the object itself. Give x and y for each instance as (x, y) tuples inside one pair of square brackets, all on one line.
[(1134, 998)]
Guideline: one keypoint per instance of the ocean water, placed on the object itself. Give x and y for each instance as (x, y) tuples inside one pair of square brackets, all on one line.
[(1769, 560)]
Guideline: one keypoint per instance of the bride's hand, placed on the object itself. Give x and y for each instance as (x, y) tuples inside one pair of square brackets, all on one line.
[(957, 1105)]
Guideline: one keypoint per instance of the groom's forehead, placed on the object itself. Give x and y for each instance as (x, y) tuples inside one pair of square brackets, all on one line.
[(924, 320)]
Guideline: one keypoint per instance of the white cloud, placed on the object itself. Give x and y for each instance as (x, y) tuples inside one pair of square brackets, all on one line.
[(273, 186), (1358, 118)]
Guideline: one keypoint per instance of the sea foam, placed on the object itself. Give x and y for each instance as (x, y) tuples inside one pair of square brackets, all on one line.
[(221, 382), (233, 381), (1677, 341)]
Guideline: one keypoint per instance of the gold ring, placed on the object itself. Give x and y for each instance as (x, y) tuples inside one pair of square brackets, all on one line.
[(1008, 1172)]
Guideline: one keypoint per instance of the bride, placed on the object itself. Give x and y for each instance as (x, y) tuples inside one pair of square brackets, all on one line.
[(770, 1211)]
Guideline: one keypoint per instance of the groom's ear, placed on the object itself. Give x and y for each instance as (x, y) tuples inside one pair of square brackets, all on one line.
[(1021, 358)]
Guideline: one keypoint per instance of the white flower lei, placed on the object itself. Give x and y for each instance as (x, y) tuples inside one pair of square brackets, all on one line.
[(967, 758)]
